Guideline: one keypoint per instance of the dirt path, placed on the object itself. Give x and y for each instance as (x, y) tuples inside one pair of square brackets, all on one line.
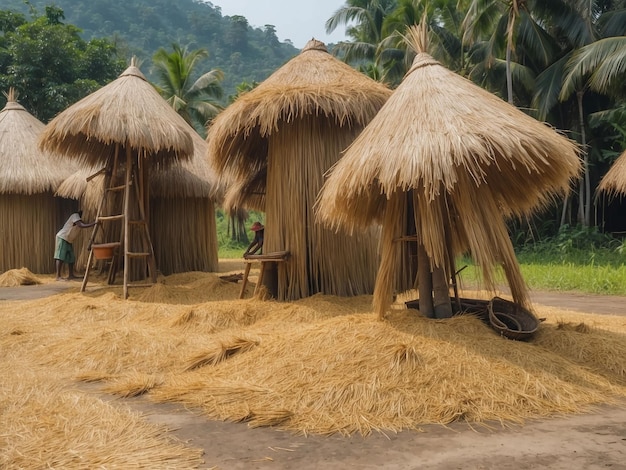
[(596, 440)]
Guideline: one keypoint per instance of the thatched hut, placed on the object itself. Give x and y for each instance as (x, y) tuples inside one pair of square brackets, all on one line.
[(274, 145), (182, 211), (442, 166), (124, 124), (30, 214)]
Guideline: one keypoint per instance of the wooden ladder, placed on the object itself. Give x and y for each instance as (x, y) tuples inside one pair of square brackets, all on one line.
[(129, 180)]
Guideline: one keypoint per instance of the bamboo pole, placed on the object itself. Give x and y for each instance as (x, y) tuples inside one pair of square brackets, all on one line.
[(126, 222)]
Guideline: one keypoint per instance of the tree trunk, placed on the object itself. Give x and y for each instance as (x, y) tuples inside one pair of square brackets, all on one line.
[(441, 290), (424, 282), (585, 196)]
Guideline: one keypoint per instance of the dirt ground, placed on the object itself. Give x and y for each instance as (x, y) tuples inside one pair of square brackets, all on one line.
[(595, 440)]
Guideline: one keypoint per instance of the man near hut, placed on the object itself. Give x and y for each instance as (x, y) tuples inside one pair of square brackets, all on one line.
[(64, 250), (257, 243)]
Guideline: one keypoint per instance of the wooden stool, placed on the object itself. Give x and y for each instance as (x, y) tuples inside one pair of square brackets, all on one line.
[(276, 257)]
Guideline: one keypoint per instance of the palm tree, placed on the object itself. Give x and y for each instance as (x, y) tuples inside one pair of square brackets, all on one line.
[(364, 21), (194, 100), (593, 58), (528, 47)]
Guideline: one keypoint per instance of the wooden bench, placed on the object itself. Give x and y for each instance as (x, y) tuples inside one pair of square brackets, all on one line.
[(276, 257)]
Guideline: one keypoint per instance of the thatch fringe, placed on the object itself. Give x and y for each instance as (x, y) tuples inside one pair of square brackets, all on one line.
[(613, 183)]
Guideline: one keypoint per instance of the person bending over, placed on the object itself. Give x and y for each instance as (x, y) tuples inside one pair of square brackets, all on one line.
[(64, 250)]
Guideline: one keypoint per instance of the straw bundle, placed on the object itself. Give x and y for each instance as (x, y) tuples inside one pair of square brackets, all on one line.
[(18, 277), (614, 181), (469, 160)]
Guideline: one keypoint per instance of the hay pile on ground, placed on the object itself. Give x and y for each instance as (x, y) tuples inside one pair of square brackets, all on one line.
[(18, 277), (320, 365)]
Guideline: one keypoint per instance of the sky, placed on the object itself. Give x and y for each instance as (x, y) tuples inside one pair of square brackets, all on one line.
[(296, 20)]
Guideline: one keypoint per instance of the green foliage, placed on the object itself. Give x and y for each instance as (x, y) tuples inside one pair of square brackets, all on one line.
[(192, 95), (141, 27), (49, 64), (227, 247)]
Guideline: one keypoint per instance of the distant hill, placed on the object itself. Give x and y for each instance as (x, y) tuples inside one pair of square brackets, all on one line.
[(140, 27)]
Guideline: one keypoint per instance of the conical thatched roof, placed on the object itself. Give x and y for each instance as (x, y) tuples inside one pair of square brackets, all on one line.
[(463, 159), (128, 112), (312, 83), (25, 169), (438, 131), (614, 181)]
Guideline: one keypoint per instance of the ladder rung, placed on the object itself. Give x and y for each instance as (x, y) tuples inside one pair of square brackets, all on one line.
[(116, 188), (137, 222), (137, 254), (107, 218), (141, 285)]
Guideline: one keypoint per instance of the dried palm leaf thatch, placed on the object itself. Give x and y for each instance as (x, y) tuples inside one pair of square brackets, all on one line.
[(128, 112), (273, 146), (320, 260), (184, 234), (192, 178), (182, 212), (470, 161), (29, 213), (614, 181), (46, 425), (25, 169), (18, 277), (314, 83), (247, 193)]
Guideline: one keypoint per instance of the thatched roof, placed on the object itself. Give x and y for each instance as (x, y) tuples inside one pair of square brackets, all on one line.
[(312, 83), (614, 181), (25, 169), (128, 112), (439, 131), (192, 178)]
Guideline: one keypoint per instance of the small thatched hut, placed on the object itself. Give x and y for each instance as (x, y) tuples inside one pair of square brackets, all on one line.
[(182, 211), (30, 214), (124, 124), (273, 146), (442, 166)]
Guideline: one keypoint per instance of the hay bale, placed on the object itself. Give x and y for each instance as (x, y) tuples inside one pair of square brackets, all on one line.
[(18, 277)]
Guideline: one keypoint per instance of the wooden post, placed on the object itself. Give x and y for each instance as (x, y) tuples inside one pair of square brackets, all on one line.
[(425, 282)]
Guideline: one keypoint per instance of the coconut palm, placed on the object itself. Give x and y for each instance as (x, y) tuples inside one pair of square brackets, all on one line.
[(194, 100), (593, 58), (365, 18), (520, 23)]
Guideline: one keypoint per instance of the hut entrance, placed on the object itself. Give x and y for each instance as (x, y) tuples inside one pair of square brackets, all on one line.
[(124, 238)]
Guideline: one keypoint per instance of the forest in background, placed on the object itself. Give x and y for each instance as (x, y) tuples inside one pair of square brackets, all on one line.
[(141, 27)]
